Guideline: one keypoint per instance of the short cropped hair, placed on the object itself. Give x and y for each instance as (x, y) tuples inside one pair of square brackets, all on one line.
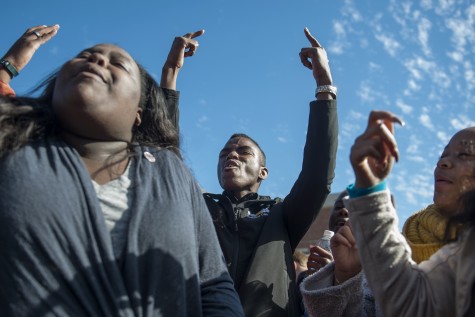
[(242, 135)]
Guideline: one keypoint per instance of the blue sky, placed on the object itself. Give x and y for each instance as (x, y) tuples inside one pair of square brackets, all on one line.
[(414, 58)]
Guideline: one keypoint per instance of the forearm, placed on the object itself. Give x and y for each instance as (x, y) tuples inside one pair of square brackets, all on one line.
[(169, 77), (5, 76), (313, 185), (398, 285)]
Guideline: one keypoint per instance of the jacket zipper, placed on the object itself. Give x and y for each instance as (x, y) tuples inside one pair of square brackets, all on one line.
[(236, 211)]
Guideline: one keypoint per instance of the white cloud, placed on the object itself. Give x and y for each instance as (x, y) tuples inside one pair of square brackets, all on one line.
[(469, 75), (355, 115), (390, 45), (413, 85), (463, 31), (374, 67), (443, 137), (424, 27), (412, 69), (368, 94), (353, 126), (418, 66), (405, 108), (400, 17), (461, 122), (455, 56), (415, 188), (426, 121), (281, 139), (414, 144), (417, 159), (350, 10), (364, 43), (338, 28), (201, 122), (426, 4), (203, 102), (336, 48), (339, 43), (445, 5), (365, 94)]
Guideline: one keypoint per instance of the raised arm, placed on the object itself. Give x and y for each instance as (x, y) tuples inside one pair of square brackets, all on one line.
[(400, 286), (182, 47), (312, 187), (315, 58), (21, 52)]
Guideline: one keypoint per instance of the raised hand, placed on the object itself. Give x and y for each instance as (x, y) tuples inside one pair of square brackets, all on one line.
[(315, 58), (25, 47), (182, 46), (373, 153), (345, 254), (318, 258)]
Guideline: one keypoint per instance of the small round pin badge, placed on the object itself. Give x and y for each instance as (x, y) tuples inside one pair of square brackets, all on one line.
[(149, 157)]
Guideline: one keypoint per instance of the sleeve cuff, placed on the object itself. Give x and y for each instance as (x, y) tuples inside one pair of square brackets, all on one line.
[(358, 192), (6, 90)]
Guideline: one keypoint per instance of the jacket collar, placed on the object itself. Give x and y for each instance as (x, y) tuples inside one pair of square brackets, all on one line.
[(234, 200)]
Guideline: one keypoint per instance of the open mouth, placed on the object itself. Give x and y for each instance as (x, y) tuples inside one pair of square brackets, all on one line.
[(341, 222), (231, 164)]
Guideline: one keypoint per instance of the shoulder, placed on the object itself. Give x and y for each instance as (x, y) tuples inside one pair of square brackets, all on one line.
[(160, 159)]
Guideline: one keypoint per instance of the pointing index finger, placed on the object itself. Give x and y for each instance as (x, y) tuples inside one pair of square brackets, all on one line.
[(311, 39), (192, 35)]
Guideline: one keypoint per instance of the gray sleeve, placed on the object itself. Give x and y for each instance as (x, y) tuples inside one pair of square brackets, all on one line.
[(219, 298), (322, 298), (400, 286)]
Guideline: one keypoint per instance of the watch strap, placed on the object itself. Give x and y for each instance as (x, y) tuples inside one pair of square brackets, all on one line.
[(9, 67)]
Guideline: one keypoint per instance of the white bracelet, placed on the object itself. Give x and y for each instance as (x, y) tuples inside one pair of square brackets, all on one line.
[(326, 88)]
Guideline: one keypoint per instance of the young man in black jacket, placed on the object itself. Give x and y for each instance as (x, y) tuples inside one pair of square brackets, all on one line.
[(257, 234)]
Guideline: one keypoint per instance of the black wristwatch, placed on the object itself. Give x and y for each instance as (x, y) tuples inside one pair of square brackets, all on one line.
[(9, 67)]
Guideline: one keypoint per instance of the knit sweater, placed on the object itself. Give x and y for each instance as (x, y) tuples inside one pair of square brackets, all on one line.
[(442, 286), (351, 298), (57, 257)]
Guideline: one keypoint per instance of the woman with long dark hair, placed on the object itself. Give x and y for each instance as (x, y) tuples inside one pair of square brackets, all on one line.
[(98, 214)]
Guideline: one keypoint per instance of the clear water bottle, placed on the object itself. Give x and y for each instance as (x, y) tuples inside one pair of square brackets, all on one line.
[(324, 241)]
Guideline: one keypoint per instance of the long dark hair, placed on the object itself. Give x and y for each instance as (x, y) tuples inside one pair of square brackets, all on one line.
[(465, 216), (24, 119)]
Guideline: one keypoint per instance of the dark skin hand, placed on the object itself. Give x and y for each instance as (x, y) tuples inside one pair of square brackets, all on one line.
[(372, 157), (318, 258), (315, 58), (345, 253), (182, 47), (25, 47), (374, 152)]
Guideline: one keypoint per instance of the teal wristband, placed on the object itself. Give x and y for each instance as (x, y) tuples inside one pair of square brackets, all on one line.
[(9, 67), (358, 192)]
